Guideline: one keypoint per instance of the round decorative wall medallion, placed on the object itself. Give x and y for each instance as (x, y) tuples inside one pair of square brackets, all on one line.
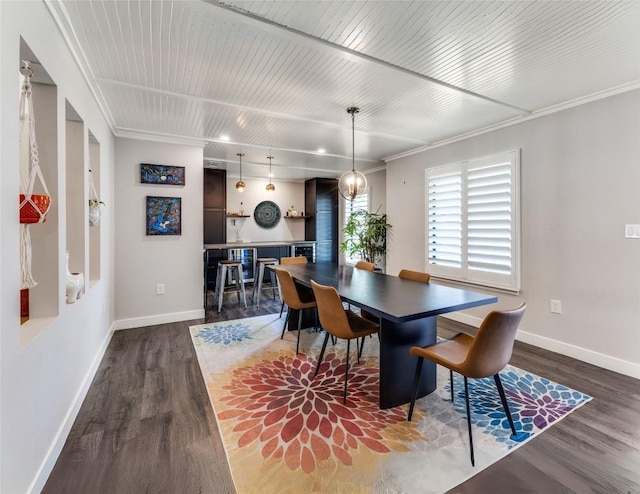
[(267, 214)]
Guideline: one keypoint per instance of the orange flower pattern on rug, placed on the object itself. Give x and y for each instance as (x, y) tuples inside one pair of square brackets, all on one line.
[(277, 404)]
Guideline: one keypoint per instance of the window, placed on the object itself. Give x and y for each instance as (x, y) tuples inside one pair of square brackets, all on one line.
[(473, 221), (360, 203)]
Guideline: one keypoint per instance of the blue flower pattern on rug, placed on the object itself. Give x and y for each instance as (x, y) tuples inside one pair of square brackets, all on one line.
[(534, 402), (225, 334)]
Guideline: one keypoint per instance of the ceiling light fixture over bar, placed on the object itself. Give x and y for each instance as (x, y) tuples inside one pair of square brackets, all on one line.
[(270, 186), (240, 185)]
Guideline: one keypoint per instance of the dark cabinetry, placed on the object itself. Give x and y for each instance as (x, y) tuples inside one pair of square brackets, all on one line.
[(321, 204), (214, 206), (276, 252)]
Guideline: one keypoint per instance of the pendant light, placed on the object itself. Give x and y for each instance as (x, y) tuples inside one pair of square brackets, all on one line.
[(352, 183), (240, 184), (270, 186)]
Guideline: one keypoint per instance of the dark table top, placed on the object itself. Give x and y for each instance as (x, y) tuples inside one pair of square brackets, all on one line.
[(388, 296)]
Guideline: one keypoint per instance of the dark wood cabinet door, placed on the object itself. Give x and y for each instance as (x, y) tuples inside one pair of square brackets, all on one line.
[(214, 199), (215, 189), (215, 226), (321, 201)]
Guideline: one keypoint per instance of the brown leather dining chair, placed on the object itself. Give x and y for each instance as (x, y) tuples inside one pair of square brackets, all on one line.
[(290, 260), (297, 300), (366, 265), (484, 355), (340, 323), (407, 274)]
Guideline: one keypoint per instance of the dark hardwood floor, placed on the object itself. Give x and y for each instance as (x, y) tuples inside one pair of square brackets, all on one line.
[(146, 425)]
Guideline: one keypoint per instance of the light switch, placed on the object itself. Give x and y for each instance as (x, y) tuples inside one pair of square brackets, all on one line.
[(632, 231)]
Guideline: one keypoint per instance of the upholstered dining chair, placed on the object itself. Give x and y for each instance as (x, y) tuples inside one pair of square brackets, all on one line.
[(366, 265), (407, 274), (484, 355), (290, 260), (297, 300), (340, 323)]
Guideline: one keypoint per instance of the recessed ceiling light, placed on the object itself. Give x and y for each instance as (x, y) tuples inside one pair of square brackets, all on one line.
[(321, 150), (224, 137)]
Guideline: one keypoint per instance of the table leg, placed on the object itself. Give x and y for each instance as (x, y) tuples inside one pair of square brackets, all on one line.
[(397, 367)]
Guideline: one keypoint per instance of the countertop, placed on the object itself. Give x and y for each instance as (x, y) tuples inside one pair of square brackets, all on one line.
[(251, 245)]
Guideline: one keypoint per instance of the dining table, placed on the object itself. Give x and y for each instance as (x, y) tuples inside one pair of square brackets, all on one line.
[(407, 312)]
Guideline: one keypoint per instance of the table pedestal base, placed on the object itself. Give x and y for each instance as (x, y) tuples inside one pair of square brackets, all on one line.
[(397, 367)]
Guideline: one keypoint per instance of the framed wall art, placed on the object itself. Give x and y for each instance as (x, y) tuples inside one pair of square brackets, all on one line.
[(161, 174), (164, 215)]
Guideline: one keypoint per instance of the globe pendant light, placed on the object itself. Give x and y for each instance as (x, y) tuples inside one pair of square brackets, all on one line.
[(270, 186), (240, 184), (352, 183)]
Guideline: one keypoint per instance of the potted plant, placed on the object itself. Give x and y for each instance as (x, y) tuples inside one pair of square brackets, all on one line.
[(365, 234)]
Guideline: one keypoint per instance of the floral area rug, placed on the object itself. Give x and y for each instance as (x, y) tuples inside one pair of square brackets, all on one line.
[(286, 432)]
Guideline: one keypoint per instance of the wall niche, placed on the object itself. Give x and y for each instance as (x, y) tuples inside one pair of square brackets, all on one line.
[(43, 299), (76, 194)]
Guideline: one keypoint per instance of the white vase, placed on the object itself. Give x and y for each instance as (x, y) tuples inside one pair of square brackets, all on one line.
[(74, 284)]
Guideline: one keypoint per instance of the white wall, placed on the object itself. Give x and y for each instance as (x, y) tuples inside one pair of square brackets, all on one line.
[(142, 261), (44, 380), (580, 185), (287, 194)]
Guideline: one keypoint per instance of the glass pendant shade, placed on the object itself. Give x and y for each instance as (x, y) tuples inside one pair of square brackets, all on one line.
[(352, 183), (240, 185), (270, 186)]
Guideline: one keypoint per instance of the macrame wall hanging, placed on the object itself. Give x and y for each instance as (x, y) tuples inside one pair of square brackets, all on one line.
[(94, 203), (33, 207)]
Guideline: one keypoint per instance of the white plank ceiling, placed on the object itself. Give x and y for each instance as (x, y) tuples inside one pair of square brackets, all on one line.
[(276, 77)]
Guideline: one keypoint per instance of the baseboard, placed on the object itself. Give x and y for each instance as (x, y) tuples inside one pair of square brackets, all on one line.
[(63, 431), (138, 322), (599, 359)]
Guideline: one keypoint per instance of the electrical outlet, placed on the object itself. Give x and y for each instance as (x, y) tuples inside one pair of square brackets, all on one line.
[(160, 289), (556, 307)]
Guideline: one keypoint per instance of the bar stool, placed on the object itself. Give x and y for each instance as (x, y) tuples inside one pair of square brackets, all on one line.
[(257, 286), (221, 275)]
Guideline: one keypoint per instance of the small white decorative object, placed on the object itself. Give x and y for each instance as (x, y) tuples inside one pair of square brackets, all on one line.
[(74, 284)]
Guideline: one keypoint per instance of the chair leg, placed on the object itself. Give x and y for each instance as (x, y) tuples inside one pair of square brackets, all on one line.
[(284, 328), (281, 310), (451, 379), (505, 405), (360, 348), (416, 384), (222, 275), (466, 395), (324, 347), (346, 374), (299, 329)]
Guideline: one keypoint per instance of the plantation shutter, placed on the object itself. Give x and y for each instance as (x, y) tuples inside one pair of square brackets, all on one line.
[(472, 221), (444, 219)]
